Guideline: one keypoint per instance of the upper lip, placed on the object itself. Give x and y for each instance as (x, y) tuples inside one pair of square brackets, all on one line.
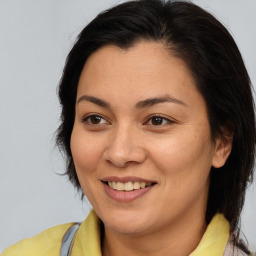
[(127, 179)]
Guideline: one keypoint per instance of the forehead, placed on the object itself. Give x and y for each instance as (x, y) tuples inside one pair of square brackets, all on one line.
[(146, 69)]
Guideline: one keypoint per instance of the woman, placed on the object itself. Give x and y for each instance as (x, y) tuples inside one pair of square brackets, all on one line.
[(158, 128)]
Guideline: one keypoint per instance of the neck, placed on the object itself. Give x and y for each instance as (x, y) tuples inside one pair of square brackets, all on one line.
[(178, 239)]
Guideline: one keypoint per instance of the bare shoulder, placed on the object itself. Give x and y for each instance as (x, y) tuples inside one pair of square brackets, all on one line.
[(45, 243)]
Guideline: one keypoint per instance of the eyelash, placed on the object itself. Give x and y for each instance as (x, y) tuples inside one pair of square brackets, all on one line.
[(88, 120), (168, 121)]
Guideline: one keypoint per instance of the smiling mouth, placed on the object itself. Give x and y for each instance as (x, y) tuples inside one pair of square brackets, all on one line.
[(128, 186)]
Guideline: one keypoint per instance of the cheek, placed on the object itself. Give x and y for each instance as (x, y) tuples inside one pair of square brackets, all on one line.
[(184, 162), (86, 151), (184, 154)]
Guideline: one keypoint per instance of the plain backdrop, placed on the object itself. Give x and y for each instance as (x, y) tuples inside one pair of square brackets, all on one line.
[(35, 37)]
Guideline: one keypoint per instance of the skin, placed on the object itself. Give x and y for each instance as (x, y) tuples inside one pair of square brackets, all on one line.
[(125, 141)]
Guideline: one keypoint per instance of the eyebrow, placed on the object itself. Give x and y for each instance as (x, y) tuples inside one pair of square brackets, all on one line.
[(153, 101), (139, 105), (94, 100)]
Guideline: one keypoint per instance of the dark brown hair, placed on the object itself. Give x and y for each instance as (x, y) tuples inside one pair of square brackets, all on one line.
[(213, 58)]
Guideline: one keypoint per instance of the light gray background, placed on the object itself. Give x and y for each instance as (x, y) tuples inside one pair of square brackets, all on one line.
[(35, 37)]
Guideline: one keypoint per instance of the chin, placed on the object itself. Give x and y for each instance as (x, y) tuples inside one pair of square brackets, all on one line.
[(127, 228), (127, 223)]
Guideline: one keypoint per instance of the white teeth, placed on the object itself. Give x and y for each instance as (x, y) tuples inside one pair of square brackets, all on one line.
[(143, 184), (119, 186), (114, 185), (136, 185), (128, 186)]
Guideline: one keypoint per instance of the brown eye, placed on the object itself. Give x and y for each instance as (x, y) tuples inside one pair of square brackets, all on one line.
[(94, 120), (157, 120)]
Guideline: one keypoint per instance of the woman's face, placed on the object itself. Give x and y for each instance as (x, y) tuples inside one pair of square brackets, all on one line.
[(140, 120)]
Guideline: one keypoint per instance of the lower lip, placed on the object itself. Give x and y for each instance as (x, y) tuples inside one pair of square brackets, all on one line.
[(125, 196)]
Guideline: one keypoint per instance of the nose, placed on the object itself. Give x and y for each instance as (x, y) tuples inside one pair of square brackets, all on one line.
[(125, 147)]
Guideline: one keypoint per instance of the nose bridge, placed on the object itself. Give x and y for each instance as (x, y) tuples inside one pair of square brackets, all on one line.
[(125, 146)]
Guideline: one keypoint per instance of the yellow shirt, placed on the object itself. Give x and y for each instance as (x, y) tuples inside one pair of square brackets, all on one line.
[(87, 240)]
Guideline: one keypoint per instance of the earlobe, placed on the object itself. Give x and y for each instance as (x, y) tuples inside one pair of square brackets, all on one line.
[(223, 147)]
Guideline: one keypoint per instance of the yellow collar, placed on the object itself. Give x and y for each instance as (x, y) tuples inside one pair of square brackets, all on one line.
[(87, 238), (213, 242), (215, 238)]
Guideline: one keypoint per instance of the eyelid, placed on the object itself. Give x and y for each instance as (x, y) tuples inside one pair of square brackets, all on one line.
[(86, 117), (168, 119)]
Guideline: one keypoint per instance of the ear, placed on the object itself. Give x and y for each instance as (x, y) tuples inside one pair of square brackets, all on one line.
[(223, 146)]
